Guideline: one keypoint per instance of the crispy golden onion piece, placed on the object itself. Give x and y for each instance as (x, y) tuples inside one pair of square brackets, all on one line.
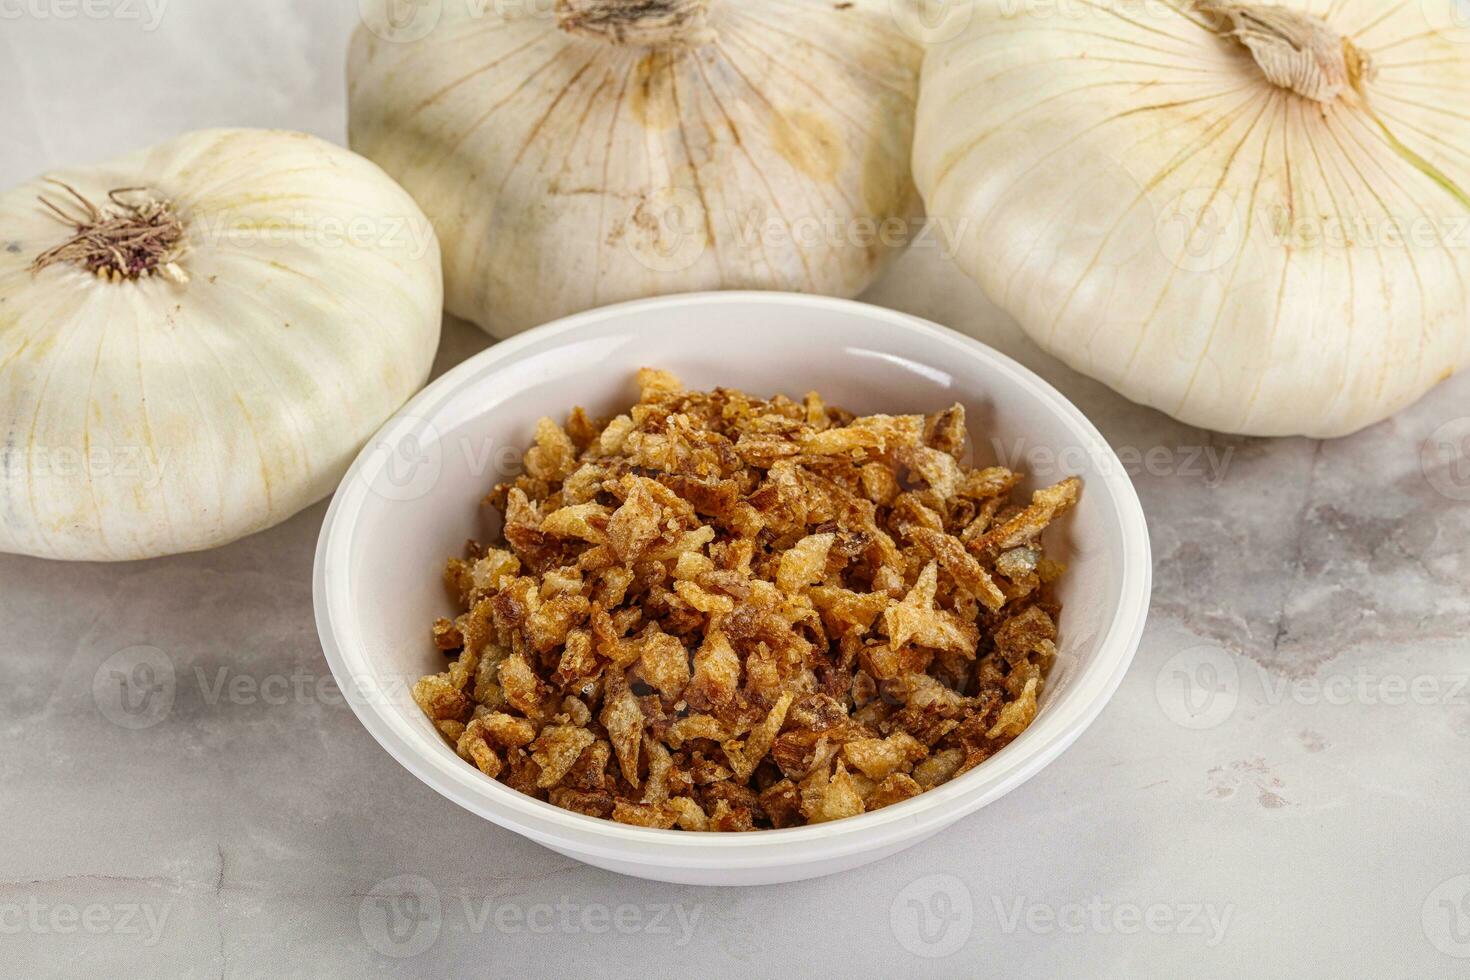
[(722, 613)]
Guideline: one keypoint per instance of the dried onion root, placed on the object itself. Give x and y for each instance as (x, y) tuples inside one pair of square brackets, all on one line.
[(130, 240)]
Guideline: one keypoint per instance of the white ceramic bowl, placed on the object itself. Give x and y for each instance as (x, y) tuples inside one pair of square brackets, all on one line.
[(411, 498)]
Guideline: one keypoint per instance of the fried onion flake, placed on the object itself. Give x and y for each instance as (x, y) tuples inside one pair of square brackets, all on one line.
[(719, 612)]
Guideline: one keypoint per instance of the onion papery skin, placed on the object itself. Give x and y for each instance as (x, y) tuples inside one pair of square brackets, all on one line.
[(564, 173), (1154, 211), (150, 417)]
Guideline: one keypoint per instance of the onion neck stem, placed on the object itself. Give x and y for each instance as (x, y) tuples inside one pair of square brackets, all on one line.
[(1296, 51), (638, 23), (1304, 54)]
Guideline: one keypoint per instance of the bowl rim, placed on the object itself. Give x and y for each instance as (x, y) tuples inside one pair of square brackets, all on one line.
[(1046, 739)]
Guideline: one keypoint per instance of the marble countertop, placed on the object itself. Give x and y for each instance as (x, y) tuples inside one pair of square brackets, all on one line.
[(1279, 785)]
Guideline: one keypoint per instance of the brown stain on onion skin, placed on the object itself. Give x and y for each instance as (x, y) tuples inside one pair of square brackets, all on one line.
[(888, 189), (888, 194), (809, 143), (882, 183), (651, 92)]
